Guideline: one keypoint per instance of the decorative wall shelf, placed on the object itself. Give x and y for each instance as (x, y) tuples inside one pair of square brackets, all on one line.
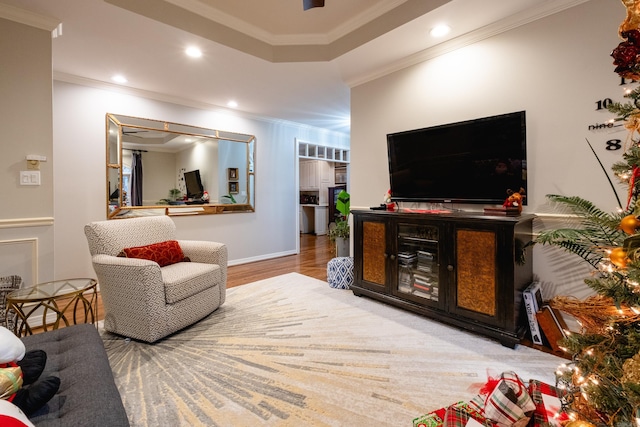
[(308, 150)]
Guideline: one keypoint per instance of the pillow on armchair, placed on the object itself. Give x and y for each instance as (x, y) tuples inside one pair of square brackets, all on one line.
[(164, 253)]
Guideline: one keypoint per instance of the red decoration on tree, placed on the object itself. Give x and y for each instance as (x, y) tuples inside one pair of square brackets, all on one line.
[(635, 174), (626, 56)]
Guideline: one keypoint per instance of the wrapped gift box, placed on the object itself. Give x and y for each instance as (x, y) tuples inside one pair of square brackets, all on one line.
[(547, 401), (463, 415), (432, 419), (506, 401)]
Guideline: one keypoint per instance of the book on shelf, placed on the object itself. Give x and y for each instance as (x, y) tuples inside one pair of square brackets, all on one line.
[(552, 325), (407, 258), (532, 297), (502, 210), (425, 256), (422, 286)]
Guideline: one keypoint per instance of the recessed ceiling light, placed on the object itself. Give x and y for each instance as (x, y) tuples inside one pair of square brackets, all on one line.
[(232, 104), (193, 52), (440, 30), (119, 78)]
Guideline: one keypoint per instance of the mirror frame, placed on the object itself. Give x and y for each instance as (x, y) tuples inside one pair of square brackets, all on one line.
[(114, 167)]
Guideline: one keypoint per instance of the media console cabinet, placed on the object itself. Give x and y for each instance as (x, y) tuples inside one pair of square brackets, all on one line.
[(464, 269)]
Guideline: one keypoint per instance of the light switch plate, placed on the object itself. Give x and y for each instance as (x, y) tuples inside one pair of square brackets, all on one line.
[(29, 177)]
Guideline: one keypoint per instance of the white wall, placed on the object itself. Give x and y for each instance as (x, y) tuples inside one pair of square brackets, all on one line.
[(555, 68), (80, 174), (26, 214), (203, 157), (159, 176)]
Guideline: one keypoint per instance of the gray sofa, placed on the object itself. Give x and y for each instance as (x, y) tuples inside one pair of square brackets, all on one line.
[(88, 395)]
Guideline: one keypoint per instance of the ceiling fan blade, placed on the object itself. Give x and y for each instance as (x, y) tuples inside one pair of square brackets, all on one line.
[(308, 4)]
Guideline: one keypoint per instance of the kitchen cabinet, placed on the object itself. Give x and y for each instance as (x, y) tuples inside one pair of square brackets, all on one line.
[(317, 175)]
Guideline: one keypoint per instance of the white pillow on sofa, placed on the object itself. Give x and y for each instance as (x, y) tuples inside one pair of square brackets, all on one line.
[(11, 347), (12, 416)]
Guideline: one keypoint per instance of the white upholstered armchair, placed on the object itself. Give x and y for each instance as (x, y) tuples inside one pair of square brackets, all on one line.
[(143, 300)]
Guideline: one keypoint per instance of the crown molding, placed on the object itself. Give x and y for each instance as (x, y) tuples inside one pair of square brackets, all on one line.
[(488, 31), (28, 18), (311, 48)]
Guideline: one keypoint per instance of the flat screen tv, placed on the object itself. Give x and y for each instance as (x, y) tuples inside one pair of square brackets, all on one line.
[(194, 184), (475, 161)]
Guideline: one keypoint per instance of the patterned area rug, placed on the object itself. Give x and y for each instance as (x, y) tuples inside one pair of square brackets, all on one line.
[(291, 351)]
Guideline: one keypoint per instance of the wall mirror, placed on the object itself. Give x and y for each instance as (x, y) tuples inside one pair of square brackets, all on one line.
[(163, 168)]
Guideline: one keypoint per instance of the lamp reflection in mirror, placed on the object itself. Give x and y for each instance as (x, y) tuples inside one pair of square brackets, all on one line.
[(168, 152)]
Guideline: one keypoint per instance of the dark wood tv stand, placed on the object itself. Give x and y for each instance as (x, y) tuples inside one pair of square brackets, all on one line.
[(464, 269)]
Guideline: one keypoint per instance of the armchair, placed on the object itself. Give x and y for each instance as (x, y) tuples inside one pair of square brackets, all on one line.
[(143, 300)]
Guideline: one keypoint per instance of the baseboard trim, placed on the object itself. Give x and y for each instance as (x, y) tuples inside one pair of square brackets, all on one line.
[(261, 258)]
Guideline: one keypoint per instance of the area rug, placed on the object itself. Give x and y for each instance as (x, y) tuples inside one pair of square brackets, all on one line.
[(292, 351)]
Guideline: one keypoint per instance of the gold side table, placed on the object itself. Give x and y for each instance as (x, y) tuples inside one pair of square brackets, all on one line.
[(60, 297)]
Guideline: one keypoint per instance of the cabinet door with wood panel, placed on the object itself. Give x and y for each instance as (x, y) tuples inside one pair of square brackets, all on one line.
[(309, 179), (372, 253), (476, 292)]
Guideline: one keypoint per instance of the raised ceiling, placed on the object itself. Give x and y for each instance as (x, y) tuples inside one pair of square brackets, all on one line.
[(280, 30), (275, 59)]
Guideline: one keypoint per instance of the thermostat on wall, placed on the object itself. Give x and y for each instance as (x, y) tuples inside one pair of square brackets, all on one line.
[(36, 157)]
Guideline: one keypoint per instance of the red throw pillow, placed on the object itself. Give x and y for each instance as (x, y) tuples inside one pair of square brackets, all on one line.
[(164, 253)]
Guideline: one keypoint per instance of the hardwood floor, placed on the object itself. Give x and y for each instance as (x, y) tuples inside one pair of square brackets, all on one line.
[(315, 252)]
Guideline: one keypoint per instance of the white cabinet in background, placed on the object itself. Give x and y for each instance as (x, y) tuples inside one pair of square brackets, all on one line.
[(309, 179), (321, 220), (317, 175), (314, 219), (306, 221), (327, 179)]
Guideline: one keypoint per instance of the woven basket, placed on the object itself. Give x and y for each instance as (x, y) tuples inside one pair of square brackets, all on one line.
[(595, 313), (7, 284)]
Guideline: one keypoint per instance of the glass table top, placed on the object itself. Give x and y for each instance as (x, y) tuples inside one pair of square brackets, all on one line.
[(56, 288)]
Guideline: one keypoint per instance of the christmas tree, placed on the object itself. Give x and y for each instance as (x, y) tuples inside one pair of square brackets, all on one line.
[(601, 384)]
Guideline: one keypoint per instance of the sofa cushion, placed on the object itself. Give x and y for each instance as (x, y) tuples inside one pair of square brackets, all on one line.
[(88, 396), (183, 280), (164, 253)]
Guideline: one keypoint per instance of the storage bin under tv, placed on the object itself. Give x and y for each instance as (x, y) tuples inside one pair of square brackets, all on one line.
[(464, 269)]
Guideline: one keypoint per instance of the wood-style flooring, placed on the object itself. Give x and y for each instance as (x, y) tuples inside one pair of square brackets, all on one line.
[(315, 252)]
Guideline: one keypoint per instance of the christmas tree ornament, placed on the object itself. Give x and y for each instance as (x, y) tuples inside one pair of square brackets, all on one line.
[(626, 56), (635, 172), (618, 257), (631, 370), (632, 21), (629, 224)]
